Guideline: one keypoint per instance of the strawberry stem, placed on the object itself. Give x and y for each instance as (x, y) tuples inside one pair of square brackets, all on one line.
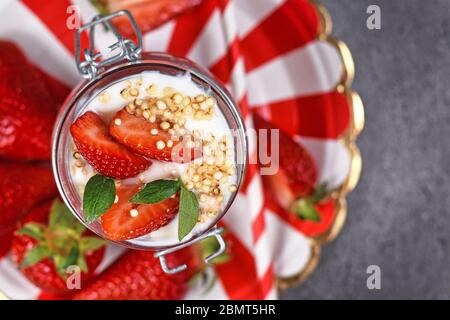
[(62, 240), (100, 6), (305, 208)]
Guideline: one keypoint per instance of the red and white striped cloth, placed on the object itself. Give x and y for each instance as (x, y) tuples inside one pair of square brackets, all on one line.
[(271, 58)]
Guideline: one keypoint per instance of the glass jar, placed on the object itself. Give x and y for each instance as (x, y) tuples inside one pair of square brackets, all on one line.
[(101, 74)]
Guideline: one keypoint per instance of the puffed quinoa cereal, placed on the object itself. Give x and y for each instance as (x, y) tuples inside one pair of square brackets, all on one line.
[(170, 110)]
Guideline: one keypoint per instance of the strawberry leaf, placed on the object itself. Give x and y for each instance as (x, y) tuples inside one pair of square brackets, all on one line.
[(33, 230), (33, 256), (319, 193), (99, 196), (188, 212), (81, 262), (61, 218), (63, 262), (305, 209), (100, 6), (156, 191), (91, 243), (210, 246)]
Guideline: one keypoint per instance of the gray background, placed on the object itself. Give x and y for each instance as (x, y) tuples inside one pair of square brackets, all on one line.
[(399, 214)]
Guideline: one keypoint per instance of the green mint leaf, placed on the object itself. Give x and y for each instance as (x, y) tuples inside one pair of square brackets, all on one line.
[(188, 212), (38, 253), (156, 191), (305, 210), (33, 230), (91, 243), (99, 196)]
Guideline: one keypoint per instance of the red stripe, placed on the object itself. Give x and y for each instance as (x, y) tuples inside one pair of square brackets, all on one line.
[(307, 228), (189, 26), (319, 116), (258, 225), (292, 25), (223, 68), (252, 171), (222, 4), (267, 282), (252, 166), (244, 107), (54, 15), (239, 276)]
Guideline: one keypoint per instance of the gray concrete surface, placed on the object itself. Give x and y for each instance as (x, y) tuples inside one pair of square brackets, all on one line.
[(399, 216)]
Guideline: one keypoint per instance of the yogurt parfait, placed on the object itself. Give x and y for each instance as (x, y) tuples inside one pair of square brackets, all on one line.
[(152, 159)]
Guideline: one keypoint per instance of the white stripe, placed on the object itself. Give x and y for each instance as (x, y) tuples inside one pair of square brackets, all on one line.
[(215, 39), (103, 38), (239, 222), (252, 139), (332, 158), (211, 43), (263, 256), (14, 284), (254, 196), (4, 5), (249, 13), (21, 26), (272, 295), (159, 39), (112, 253), (229, 22), (237, 85), (291, 250), (313, 69)]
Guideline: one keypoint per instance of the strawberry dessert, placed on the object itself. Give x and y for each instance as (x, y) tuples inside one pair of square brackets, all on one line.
[(153, 159)]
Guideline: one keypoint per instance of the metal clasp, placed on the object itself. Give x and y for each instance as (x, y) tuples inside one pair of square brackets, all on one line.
[(92, 65), (215, 232)]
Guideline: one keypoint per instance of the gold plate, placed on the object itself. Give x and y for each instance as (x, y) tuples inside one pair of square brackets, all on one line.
[(348, 140)]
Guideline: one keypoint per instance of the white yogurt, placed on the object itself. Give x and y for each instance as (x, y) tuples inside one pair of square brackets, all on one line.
[(217, 125)]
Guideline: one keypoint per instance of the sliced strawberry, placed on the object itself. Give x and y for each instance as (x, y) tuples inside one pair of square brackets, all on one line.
[(105, 155), (119, 224), (135, 133), (149, 14)]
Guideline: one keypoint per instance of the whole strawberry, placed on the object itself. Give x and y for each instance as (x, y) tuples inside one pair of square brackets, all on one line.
[(57, 89), (137, 275), (48, 241), (5, 242), (27, 110), (149, 14), (22, 186), (293, 182)]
